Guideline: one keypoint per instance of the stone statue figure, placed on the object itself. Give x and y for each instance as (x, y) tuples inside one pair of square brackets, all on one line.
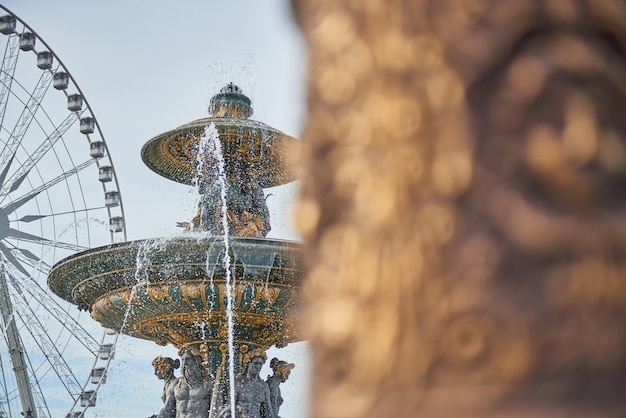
[(247, 212), (164, 369), (191, 390), (252, 393), (281, 369)]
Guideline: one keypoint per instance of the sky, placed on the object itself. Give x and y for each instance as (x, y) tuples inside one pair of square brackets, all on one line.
[(146, 67)]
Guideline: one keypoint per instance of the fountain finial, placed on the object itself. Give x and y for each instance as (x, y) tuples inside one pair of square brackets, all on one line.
[(230, 102)]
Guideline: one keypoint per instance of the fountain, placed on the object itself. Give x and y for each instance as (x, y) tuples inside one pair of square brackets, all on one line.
[(179, 290)]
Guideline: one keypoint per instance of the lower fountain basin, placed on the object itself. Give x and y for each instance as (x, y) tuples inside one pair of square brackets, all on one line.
[(175, 290)]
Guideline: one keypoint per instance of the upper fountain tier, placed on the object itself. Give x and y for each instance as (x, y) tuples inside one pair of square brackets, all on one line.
[(247, 145)]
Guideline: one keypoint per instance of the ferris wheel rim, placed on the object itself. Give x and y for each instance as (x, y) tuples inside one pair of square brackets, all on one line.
[(88, 111)]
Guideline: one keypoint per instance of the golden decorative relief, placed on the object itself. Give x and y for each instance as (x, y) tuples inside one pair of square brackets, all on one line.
[(181, 328), (222, 330), (125, 295), (156, 293), (243, 350), (192, 290), (173, 153), (159, 294), (267, 336)]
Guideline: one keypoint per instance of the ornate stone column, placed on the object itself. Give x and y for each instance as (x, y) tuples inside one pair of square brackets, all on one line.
[(463, 204)]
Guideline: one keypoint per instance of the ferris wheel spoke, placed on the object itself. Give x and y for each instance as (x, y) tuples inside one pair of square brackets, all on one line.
[(35, 263), (31, 218), (8, 255), (5, 170), (46, 345), (28, 114), (25, 236), (4, 397), (18, 182), (51, 306), (7, 70), (40, 266), (28, 254), (36, 156), (11, 207)]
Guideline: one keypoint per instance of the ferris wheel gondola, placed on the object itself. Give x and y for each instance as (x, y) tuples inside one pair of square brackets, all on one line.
[(58, 195)]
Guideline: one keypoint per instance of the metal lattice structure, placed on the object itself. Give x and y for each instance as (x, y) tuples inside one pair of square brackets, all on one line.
[(58, 195)]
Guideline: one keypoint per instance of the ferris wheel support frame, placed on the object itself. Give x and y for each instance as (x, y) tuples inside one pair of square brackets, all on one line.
[(16, 349)]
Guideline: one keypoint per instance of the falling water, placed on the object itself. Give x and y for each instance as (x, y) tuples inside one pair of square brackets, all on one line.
[(201, 175), (199, 183), (211, 134), (141, 272)]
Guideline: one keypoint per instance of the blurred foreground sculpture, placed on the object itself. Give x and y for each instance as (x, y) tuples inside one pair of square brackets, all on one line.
[(463, 206)]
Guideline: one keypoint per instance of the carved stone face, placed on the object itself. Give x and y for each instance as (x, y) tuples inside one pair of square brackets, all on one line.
[(284, 375), (191, 366), (254, 367), (187, 360), (162, 370), (282, 370), (164, 367)]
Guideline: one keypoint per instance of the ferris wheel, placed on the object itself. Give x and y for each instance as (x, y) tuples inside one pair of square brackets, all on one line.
[(58, 195)]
